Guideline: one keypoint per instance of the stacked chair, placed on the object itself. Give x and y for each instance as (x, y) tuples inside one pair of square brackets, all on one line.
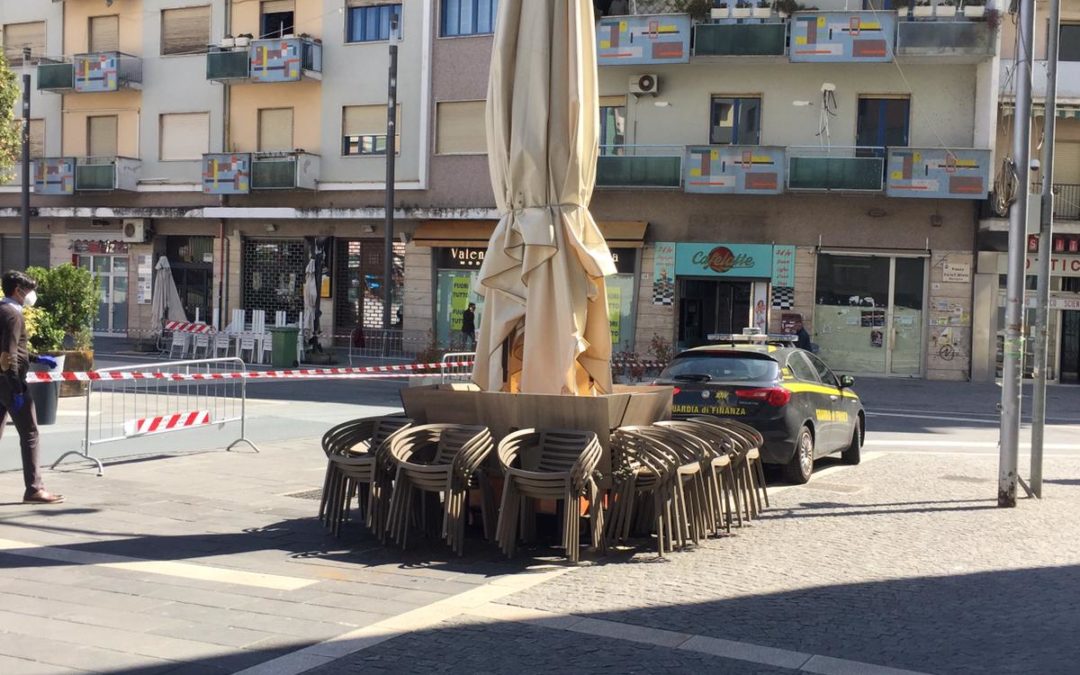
[(746, 459)]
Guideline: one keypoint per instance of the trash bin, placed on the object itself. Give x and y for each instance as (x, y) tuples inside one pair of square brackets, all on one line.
[(283, 346), (46, 395)]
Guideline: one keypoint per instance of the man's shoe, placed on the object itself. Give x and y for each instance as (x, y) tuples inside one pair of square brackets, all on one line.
[(42, 497)]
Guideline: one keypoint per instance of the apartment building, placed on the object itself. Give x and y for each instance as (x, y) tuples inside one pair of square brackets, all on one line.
[(1064, 318), (758, 169), (232, 136)]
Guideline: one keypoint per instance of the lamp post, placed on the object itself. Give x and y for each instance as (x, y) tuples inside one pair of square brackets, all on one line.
[(391, 150), (25, 204)]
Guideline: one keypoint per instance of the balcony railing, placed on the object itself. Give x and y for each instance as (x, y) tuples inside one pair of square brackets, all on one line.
[(287, 59), (836, 169), (945, 38), (831, 37), (1066, 201), (284, 171), (228, 64), (55, 75), (735, 169), (740, 39), (106, 173), (637, 166), (92, 73), (938, 173)]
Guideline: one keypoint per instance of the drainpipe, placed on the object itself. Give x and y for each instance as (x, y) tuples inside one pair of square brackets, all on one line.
[(226, 140)]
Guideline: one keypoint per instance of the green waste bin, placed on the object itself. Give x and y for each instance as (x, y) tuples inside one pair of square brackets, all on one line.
[(283, 346)]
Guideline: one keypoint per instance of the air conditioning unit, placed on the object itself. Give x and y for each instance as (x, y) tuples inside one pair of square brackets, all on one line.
[(647, 84), (134, 231)]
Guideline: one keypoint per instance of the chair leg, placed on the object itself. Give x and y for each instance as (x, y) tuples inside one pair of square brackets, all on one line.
[(761, 481)]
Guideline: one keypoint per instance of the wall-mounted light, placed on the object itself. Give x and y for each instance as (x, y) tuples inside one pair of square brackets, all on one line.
[(271, 227), (367, 229)]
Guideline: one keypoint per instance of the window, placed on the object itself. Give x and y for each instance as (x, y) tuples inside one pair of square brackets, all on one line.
[(801, 369), (276, 18), (468, 17), (183, 136), (11, 252), (1068, 42), (735, 121), (185, 30), (460, 128), (37, 139), (19, 35), (882, 123), (363, 130), (101, 136), (612, 124), (823, 371), (104, 35), (275, 129), (368, 22)]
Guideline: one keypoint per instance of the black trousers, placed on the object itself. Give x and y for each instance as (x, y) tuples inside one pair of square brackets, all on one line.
[(26, 424)]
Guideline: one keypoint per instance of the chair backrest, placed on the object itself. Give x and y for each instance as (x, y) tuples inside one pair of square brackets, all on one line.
[(364, 434), (279, 318), (258, 321), (247, 341), (552, 450), (711, 441), (179, 339), (221, 338), (743, 437), (202, 340), (236, 325), (635, 447)]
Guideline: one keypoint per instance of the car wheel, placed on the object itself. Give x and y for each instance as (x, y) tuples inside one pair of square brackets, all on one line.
[(800, 467), (852, 455)]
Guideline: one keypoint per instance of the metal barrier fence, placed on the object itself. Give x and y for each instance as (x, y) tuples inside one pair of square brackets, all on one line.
[(117, 410), (456, 372), (386, 343)]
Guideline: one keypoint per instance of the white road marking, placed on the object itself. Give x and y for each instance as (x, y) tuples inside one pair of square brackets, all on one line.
[(898, 443), (163, 567)]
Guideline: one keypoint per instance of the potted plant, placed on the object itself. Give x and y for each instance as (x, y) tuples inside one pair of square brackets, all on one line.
[(763, 10), (946, 8), (974, 9), (742, 10), (922, 9), (698, 10), (786, 8), (720, 11), (69, 299)]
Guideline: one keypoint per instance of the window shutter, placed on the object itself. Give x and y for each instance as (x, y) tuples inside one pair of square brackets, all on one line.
[(275, 129), (105, 33), (460, 128), (274, 6), (612, 101), (365, 120), (101, 136), (19, 35), (185, 30), (37, 138), (184, 136)]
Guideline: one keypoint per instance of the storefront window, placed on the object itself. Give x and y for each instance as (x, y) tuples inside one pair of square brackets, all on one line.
[(273, 276), (358, 282)]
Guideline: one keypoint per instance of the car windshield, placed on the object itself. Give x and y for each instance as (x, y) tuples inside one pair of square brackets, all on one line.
[(721, 367)]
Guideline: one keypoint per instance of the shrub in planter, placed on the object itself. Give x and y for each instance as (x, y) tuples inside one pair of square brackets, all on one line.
[(63, 319)]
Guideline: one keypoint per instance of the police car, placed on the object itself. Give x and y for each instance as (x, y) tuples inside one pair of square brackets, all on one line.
[(799, 405)]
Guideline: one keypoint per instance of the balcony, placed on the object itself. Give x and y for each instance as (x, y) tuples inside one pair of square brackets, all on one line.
[(93, 73), (839, 37), (735, 169), (101, 174), (835, 169), (226, 173), (936, 173), (1068, 79), (639, 40), (289, 59), (740, 39), (53, 176), (1066, 201), (639, 166), (284, 171), (55, 75), (963, 39)]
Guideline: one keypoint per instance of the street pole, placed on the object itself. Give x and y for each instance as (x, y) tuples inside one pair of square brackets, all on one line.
[(25, 204), (1009, 442), (1046, 234), (391, 150)]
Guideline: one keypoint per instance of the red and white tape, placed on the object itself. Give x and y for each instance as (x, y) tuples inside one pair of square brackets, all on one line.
[(188, 327), (295, 373), (157, 425)]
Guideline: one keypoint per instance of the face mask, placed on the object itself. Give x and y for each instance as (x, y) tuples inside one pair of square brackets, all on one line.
[(30, 299)]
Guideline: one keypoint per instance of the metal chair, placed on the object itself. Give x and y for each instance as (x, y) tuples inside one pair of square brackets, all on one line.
[(746, 460), (179, 341)]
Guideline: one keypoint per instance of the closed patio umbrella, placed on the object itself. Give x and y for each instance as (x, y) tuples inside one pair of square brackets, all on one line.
[(165, 300), (311, 298), (543, 273)]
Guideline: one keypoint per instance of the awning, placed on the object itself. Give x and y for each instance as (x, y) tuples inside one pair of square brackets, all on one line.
[(1064, 111), (476, 233)]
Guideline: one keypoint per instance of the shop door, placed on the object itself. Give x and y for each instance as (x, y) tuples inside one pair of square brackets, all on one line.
[(1070, 347), (708, 306), (870, 313), (112, 273)]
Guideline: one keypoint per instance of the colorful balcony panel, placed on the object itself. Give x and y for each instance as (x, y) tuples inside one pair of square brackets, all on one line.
[(643, 40), (276, 60), (937, 173), (735, 169), (227, 174), (831, 37), (97, 72), (54, 176)]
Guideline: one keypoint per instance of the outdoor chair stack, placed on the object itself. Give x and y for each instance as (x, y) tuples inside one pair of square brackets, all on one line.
[(746, 460), (721, 484), (439, 459), (351, 449), (552, 465)]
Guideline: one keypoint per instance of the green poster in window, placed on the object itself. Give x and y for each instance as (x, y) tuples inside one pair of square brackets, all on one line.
[(459, 299), (614, 312)]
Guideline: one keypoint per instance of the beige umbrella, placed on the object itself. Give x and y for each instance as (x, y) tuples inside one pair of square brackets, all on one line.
[(165, 303), (543, 273)]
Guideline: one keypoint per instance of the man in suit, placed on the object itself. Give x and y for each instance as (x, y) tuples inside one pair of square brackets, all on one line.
[(15, 400)]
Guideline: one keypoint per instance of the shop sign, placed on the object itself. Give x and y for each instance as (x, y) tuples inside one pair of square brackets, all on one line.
[(729, 260), (1060, 265), (956, 272), (663, 282), (101, 247), (461, 258), (783, 266)]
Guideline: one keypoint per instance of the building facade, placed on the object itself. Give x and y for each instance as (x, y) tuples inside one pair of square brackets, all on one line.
[(829, 167)]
